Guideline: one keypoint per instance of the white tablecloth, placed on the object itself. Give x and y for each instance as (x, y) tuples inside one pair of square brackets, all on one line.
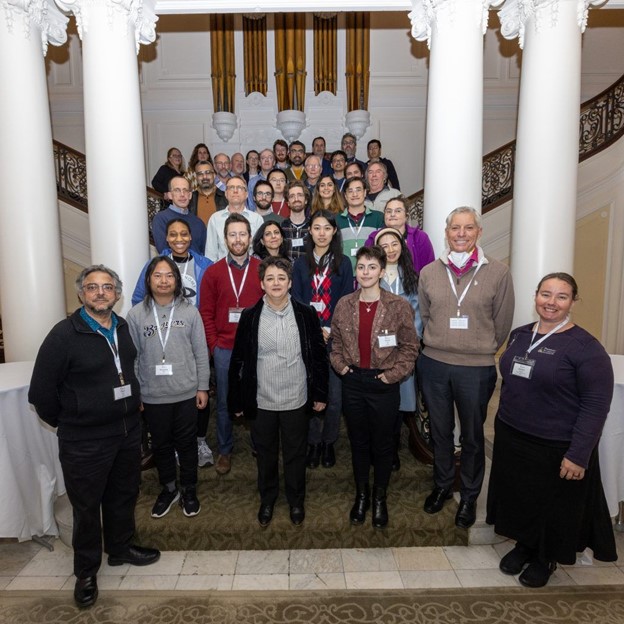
[(30, 471), (611, 447)]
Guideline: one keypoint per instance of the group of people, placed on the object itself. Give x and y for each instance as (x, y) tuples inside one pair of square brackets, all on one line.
[(308, 313)]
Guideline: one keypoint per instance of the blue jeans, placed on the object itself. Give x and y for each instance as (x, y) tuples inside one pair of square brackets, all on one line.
[(225, 439)]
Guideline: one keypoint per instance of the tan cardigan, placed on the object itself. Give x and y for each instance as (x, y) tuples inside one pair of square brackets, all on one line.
[(394, 315)]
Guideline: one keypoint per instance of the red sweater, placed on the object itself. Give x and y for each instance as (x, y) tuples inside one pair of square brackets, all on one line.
[(217, 297)]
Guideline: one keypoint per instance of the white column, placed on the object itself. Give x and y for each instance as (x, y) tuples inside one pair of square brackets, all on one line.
[(547, 142), (31, 267), (454, 141), (111, 31)]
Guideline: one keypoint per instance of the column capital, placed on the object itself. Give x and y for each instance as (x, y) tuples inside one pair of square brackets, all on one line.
[(122, 15), (445, 13), (545, 13), (43, 14)]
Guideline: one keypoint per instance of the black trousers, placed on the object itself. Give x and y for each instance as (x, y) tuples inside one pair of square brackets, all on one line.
[(267, 429), (371, 409), (101, 477), (174, 428)]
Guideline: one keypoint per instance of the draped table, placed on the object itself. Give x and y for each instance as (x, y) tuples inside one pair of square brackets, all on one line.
[(31, 472)]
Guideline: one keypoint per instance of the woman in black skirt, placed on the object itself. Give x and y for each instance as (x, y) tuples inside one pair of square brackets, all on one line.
[(545, 488)]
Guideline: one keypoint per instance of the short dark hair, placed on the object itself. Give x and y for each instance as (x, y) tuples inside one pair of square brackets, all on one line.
[(151, 267), (374, 253), (317, 138), (203, 162), (276, 261), (299, 184), (277, 170), (351, 182), (176, 220), (236, 218), (373, 141), (297, 143), (339, 153), (263, 183), (355, 163), (280, 142), (564, 277)]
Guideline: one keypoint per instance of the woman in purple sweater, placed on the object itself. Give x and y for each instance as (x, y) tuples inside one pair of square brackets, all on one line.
[(545, 488)]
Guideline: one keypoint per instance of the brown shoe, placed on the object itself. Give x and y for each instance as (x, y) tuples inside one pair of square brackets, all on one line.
[(224, 464)]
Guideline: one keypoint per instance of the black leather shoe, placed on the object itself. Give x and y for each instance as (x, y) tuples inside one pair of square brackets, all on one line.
[(513, 562), (329, 455), (537, 573), (466, 514), (265, 515), (297, 515), (313, 458), (380, 509), (435, 501), (86, 591), (357, 515), (135, 555)]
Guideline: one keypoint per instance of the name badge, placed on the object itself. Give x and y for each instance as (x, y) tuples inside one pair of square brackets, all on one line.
[(122, 392), (234, 314), (522, 367), (354, 251), (297, 242), (319, 306), (387, 340), (458, 322), (164, 369)]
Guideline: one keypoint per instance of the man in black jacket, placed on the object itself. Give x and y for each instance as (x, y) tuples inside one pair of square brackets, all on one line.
[(207, 199), (84, 384)]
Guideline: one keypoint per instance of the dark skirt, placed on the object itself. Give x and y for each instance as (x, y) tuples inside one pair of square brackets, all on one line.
[(528, 501)]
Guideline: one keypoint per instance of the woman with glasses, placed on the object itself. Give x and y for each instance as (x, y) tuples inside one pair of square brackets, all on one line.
[(269, 241), (174, 166), (277, 179), (395, 216), (252, 160), (321, 277), (327, 196)]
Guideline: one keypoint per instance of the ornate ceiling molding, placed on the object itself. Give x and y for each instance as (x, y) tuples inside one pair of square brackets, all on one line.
[(43, 14), (122, 16)]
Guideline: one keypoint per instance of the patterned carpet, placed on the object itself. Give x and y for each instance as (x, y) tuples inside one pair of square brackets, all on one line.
[(230, 504), (596, 605)]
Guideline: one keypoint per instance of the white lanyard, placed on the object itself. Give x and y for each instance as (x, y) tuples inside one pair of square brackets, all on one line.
[(392, 288), (356, 234), (279, 211), (318, 277), (186, 264), (533, 345), (463, 295), (240, 290), (115, 351), (160, 336)]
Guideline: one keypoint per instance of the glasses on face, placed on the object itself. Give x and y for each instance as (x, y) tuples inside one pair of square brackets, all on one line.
[(297, 151), (94, 288), (238, 188), (175, 156), (313, 166), (394, 211), (177, 191), (277, 181), (348, 142), (264, 194), (201, 174), (222, 163), (355, 191), (338, 161)]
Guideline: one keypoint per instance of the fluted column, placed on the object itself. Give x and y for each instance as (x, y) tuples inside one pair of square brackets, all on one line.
[(547, 142), (31, 267), (111, 32), (454, 141)]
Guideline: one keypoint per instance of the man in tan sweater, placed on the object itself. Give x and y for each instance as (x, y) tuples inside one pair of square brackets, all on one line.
[(466, 303)]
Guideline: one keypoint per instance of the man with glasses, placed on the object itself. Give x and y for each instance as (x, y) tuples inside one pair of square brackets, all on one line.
[(348, 145), (207, 199), (357, 221), (267, 162), (222, 167), (313, 169), (338, 163), (84, 383), (296, 227), (263, 196), (180, 195), (228, 286), (236, 195), (296, 154)]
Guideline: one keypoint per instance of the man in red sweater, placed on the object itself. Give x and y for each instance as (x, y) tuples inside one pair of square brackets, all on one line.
[(228, 286)]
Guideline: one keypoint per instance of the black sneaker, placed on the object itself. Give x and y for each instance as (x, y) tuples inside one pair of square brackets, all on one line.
[(189, 502), (164, 502)]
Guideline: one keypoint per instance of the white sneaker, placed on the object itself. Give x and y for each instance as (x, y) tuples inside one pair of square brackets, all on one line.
[(204, 454)]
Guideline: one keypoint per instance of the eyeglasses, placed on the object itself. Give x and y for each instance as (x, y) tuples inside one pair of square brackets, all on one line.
[(337, 161), (177, 191), (277, 181), (394, 211), (201, 174), (221, 163), (240, 188), (93, 288), (297, 151), (264, 194), (354, 191)]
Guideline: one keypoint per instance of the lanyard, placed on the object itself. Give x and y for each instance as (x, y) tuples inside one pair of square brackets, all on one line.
[(279, 211), (115, 351), (533, 345), (463, 295), (238, 293), (298, 228), (160, 336), (356, 234), (319, 277), (186, 264)]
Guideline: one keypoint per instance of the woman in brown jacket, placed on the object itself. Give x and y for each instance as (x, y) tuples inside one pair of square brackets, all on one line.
[(374, 346)]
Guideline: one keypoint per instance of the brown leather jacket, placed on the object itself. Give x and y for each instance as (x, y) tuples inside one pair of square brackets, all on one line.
[(394, 315)]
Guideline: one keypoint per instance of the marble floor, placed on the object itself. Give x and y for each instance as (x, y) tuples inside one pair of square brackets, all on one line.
[(30, 566)]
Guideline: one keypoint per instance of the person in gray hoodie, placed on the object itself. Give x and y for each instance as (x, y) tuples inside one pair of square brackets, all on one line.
[(173, 371)]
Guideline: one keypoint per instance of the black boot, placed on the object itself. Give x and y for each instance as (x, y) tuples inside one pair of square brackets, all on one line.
[(396, 461), (361, 504), (380, 509), (313, 458)]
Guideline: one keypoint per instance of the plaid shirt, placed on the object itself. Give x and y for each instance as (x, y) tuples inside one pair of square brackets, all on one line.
[(292, 232)]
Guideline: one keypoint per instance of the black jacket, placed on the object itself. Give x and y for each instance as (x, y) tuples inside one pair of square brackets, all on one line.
[(220, 201), (243, 377), (73, 381)]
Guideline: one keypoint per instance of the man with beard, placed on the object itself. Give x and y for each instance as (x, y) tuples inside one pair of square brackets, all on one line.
[(207, 199), (84, 383), (348, 144), (297, 154), (222, 165), (267, 162), (263, 196), (297, 225), (313, 170), (236, 195), (280, 151), (228, 286), (237, 164)]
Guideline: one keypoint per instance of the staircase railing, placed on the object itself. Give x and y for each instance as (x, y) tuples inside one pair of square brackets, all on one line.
[(601, 124)]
